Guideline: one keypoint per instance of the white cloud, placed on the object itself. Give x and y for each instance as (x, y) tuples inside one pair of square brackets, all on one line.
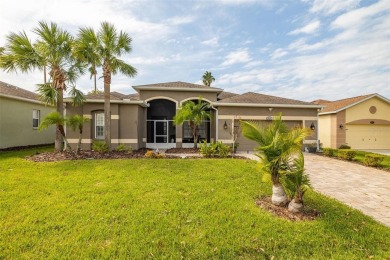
[(213, 42), (179, 20), (238, 56), (239, 2), (310, 28), (278, 53), (328, 7)]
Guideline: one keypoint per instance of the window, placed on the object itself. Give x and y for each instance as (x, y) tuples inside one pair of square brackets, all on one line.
[(99, 125), (36, 118)]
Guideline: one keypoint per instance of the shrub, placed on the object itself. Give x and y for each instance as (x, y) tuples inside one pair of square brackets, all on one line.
[(330, 152), (99, 146), (344, 146), (346, 154), (154, 155), (214, 149), (124, 148), (371, 159)]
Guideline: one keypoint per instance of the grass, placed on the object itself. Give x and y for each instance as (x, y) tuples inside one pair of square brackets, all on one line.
[(360, 158), (166, 209)]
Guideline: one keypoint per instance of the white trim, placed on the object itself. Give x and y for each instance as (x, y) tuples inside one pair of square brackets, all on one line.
[(124, 141), (217, 104), (89, 116), (179, 89), (83, 141), (356, 103), (187, 145), (160, 145), (114, 117), (194, 98), (163, 97), (290, 118), (179, 140)]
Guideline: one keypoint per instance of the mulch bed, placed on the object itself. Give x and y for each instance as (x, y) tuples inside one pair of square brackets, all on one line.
[(307, 214), (183, 150)]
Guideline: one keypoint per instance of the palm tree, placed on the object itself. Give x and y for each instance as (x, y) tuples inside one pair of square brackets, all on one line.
[(109, 45), (52, 50), (76, 122), (277, 147), (55, 118), (207, 78), (195, 113), (297, 183), (86, 48)]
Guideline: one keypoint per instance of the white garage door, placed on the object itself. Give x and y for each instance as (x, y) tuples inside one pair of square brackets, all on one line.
[(368, 136)]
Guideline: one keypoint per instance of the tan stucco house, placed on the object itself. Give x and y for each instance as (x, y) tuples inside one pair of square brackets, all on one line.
[(20, 116), (361, 122), (145, 119)]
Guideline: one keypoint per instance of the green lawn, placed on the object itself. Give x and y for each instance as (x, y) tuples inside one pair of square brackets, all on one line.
[(144, 208)]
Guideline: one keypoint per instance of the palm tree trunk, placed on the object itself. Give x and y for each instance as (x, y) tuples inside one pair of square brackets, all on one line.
[(79, 144), (44, 74), (279, 196), (107, 108), (295, 205), (58, 143), (94, 79)]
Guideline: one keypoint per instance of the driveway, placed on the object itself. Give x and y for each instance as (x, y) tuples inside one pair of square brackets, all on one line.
[(363, 188)]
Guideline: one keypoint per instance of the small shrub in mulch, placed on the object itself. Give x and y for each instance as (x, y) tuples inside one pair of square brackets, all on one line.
[(306, 214)]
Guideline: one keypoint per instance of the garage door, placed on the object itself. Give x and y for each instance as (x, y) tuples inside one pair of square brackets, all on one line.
[(368, 136)]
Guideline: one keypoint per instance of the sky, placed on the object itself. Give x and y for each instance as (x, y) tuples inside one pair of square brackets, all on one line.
[(299, 49)]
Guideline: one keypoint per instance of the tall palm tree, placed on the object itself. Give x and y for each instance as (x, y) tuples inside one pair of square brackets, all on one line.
[(195, 114), (208, 78), (76, 122), (277, 148), (109, 45), (52, 50), (86, 49)]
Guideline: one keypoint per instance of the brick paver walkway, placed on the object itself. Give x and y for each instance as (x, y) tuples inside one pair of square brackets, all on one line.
[(363, 188)]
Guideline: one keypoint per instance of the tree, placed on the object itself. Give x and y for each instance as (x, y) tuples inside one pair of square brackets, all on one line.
[(208, 78), (107, 46), (277, 148), (76, 122), (86, 49), (195, 114), (52, 50), (297, 183), (55, 118)]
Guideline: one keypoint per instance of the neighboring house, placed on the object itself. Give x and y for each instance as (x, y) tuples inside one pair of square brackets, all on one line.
[(361, 122), (20, 116), (145, 119)]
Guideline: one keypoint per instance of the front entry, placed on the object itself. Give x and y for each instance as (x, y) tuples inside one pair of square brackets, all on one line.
[(161, 132)]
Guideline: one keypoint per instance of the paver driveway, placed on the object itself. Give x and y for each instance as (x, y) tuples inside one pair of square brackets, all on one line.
[(358, 186)]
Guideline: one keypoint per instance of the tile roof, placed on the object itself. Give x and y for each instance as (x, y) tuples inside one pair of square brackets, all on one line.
[(332, 106), (113, 96), (11, 90), (256, 98), (177, 84), (225, 94), (320, 101)]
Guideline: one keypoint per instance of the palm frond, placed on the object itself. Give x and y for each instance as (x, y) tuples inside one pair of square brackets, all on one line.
[(76, 96), (54, 118), (47, 93)]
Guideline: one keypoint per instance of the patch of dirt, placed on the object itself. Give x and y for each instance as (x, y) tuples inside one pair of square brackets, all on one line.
[(306, 214), (182, 150)]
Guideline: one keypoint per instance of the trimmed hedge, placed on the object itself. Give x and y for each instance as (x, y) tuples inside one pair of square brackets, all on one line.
[(344, 146), (330, 152), (346, 154), (373, 159)]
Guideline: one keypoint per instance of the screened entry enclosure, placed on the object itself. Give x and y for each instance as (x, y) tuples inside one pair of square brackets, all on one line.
[(161, 132)]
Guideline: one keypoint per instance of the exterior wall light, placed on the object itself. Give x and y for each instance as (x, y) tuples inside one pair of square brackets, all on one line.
[(312, 126), (341, 126), (225, 126)]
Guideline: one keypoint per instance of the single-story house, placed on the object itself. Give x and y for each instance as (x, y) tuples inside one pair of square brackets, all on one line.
[(20, 115), (145, 119), (361, 122)]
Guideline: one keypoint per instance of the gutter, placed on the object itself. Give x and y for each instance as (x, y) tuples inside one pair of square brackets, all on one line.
[(134, 102)]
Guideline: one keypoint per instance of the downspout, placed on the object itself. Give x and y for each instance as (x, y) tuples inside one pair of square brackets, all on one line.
[(216, 123)]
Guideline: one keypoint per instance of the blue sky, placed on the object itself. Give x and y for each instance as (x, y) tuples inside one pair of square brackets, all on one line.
[(305, 50)]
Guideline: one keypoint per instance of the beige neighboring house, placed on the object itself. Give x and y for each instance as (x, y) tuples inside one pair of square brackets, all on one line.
[(20, 116), (361, 122), (145, 119)]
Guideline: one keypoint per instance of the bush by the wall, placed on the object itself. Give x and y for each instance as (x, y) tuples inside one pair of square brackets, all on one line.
[(330, 152), (99, 146), (346, 154), (373, 159), (154, 155), (124, 148), (344, 146), (214, 149)]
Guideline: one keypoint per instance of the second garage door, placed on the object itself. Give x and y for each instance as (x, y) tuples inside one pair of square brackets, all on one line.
[(368, 136)]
